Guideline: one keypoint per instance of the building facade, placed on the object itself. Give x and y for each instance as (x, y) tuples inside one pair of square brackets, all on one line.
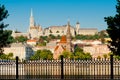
[(97, 50), (35, 31), (23, 51)]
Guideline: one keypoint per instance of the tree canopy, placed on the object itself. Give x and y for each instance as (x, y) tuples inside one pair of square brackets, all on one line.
[(20, 39), (67, 55), (7, 56), (42, 54), (80, 54), (87, 37), (3, 35), (113, 30)]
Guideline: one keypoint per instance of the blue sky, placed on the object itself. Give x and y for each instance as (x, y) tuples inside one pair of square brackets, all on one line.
[(90, 13)]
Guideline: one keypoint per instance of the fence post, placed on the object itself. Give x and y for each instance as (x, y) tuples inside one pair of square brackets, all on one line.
[(16, 67), (111, 66), (62, 70)]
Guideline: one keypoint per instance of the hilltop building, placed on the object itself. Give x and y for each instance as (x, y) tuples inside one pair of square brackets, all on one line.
[(34, 31)]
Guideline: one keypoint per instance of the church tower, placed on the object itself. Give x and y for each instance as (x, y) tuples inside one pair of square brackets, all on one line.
[(68, 36), (77, 27), (32, 24), (33, 29)]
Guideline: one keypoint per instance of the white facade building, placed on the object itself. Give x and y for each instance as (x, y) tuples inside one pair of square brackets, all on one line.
[(97, 50), (23, 51)]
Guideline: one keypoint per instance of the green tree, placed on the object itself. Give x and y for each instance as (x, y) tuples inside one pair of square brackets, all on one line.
[(10, 38), (87, 37), (80, 54), (42, 54), (6, 56), (3, 56), (114, 30), (87, 56), (46, 54), (21, 39), (58, 37), (51, 36), (3, 35), (78, 49), (117, 57), (9, 56), (105, 56), (41, 44), (43, 39), (67, 55), (36, 56)]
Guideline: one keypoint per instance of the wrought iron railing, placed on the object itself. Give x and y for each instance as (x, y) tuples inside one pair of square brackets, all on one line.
[(65, 69)]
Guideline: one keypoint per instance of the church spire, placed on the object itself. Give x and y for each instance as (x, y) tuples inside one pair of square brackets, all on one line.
[(31, 19), (68, 30), (68, 36), (31, 13)]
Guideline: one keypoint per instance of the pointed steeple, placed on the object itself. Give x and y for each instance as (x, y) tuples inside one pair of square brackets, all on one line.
[(68, 36), (31, 19), (31, 12)]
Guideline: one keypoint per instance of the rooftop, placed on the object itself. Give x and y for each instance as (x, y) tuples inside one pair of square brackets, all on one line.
[(63, 39)]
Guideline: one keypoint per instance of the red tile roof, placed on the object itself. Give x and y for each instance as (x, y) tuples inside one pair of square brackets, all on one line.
[(31, 40), (63, 39), (56, 48)]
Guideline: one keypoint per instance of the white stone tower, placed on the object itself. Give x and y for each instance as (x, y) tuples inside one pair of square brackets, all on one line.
[(32, 24), (77, 28), (33, 30)]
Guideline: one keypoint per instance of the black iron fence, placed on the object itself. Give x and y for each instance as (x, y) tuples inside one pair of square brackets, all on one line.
[(94, 69)]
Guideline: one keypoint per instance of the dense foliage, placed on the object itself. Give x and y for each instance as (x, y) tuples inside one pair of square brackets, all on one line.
[(7, 56), (67, 55), (79, 54), (114, 30), (87, 37), (20, 39), (42, 54), (99, 36), (3, 35)]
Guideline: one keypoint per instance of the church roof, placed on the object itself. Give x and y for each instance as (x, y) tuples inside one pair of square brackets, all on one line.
[(63, 39), (57, 47), (31, 40)]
